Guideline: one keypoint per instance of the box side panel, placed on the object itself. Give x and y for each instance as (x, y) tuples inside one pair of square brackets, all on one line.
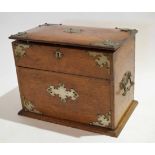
[(123, 62)]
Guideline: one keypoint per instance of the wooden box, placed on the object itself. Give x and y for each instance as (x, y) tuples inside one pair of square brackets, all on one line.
[(80, 77)]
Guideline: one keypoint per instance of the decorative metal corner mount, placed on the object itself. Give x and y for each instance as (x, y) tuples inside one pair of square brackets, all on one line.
[(103, 120), (72, 30), (127, 30), (62, 92), (108, 44), (28, 106), (126, 83), (100, 59), (20, 50), (19, 34)]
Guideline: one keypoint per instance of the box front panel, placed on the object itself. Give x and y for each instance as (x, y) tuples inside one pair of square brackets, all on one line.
[(62, 59), (70, 97)]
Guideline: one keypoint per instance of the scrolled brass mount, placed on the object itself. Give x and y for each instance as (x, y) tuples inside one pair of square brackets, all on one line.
[(126, 83)]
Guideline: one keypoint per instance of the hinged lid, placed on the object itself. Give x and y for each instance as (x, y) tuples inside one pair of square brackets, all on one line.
[(100, 38)]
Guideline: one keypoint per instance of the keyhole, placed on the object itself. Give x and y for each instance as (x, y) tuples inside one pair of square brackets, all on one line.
[(58, 54)]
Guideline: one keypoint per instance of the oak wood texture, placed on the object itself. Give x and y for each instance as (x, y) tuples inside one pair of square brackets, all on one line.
[(105, 131), (98, 87), (123, 60), (87, 37), (73, 60), (86, 108)]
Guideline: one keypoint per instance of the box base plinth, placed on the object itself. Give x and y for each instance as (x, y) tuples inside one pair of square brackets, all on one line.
[(91, 128)]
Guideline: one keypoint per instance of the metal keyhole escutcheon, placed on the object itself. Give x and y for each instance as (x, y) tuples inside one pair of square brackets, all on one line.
[(58, 54)]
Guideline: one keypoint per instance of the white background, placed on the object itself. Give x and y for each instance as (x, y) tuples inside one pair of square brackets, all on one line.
[(141, 125)]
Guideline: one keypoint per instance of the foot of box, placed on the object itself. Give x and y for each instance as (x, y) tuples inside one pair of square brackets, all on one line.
[(100, 130)]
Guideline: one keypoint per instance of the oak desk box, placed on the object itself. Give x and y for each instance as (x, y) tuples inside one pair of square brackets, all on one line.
[(80, 77)]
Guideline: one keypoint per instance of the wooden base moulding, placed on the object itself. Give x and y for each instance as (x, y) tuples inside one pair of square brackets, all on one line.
[(91, 128)]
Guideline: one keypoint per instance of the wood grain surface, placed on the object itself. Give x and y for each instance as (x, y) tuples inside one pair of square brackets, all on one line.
[(123, 61), (97, 86), (100, 130), (85, 36), (93, 100), (73, 60)]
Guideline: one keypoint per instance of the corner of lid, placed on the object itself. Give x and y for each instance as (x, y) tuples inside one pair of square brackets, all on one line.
[(19, 34), (131, 31)]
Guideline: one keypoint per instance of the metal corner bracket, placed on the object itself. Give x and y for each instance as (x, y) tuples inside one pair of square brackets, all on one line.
[(20, 50), (101, 59), (103, 120), (19, 34), (133, 31), (28, 106)]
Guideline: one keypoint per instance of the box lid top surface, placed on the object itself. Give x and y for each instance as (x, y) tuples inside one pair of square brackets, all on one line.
[(100, 38)]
